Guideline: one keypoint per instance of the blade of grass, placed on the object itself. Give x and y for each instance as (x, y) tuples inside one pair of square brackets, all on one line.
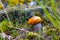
[(53, 7), (53, 21)]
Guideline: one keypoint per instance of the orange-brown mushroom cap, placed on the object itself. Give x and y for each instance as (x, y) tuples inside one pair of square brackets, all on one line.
[(34, 20)]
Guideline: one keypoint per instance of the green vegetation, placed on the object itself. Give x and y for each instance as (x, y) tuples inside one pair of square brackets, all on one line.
[(18, 28)]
